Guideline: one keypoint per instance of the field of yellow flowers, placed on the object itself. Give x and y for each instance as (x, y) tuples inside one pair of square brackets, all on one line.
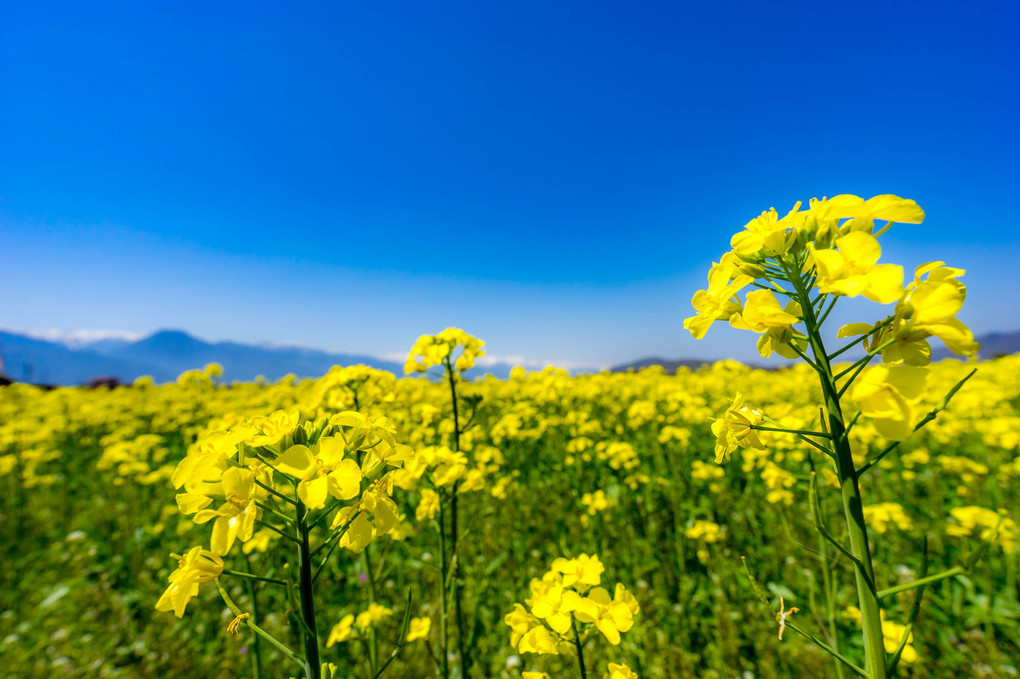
[(603, 481), (614, 525)]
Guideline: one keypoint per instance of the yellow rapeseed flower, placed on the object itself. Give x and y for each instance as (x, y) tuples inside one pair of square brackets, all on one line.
[(853, 269), (196, 566)]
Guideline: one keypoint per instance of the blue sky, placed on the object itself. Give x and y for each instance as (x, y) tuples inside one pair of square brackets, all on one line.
[(552, 177)]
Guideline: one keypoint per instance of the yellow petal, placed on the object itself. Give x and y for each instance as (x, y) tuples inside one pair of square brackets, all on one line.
[(296, 461), (189, 503), (860, 248), (885, 283), (854, 329), (313, 492), (223, 534), (895, 209), (345, 481)]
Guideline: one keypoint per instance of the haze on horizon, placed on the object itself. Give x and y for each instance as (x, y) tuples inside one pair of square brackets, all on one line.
[(555, 179)]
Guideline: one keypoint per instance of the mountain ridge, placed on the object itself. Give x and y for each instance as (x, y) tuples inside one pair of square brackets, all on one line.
[(165, 354)]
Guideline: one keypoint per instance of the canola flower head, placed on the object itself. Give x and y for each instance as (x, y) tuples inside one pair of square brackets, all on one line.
[(236, 517), (372, 616), (986, 524), (585, 569), (619, 671), (342, 631), (272, 428), (886, 394), (196, 566), (883, 515), (734, 429), (322, 471), (767, 234), (852, 269), (928, 308), (419, 628), (705, 531), (718, 301), (762, 314), (432, 350), (566, 596)]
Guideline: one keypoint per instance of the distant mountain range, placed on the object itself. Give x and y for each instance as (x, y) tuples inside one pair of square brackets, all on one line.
[(163, 355), (81, 358), (993, 345), (167, 353), (670, 366)]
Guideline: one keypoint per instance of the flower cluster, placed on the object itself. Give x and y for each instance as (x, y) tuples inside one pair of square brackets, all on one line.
[(821, 253), (987, 524), (567, 596), (431, 350), (236, 476), (197, 566)]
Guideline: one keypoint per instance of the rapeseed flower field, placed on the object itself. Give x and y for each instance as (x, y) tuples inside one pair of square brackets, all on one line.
[(851, 514)]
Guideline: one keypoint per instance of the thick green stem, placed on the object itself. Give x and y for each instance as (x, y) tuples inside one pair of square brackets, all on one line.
[(313, 667), (458, 617), (580, 651), (444, 652), (874, 645)]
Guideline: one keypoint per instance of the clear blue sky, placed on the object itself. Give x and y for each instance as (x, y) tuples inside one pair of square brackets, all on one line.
[(554, 178)]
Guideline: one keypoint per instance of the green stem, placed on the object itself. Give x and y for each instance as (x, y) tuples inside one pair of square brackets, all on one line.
[(874, 643), (805, 432), (444, 653), (860, 339), (336, 535), (800, 436), (313, 667), (764, 598), (807, 359), (401, 641), (255, 628), (319, 519), (275, 492), (373, 642), (256, 646), (768, 287), (860, 365), (580, 650), (825, 314), (256, 578), (280, 515), (277, 530), (816, 516), (948, 573), (333, 541), (458, 617), (828, 649)]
